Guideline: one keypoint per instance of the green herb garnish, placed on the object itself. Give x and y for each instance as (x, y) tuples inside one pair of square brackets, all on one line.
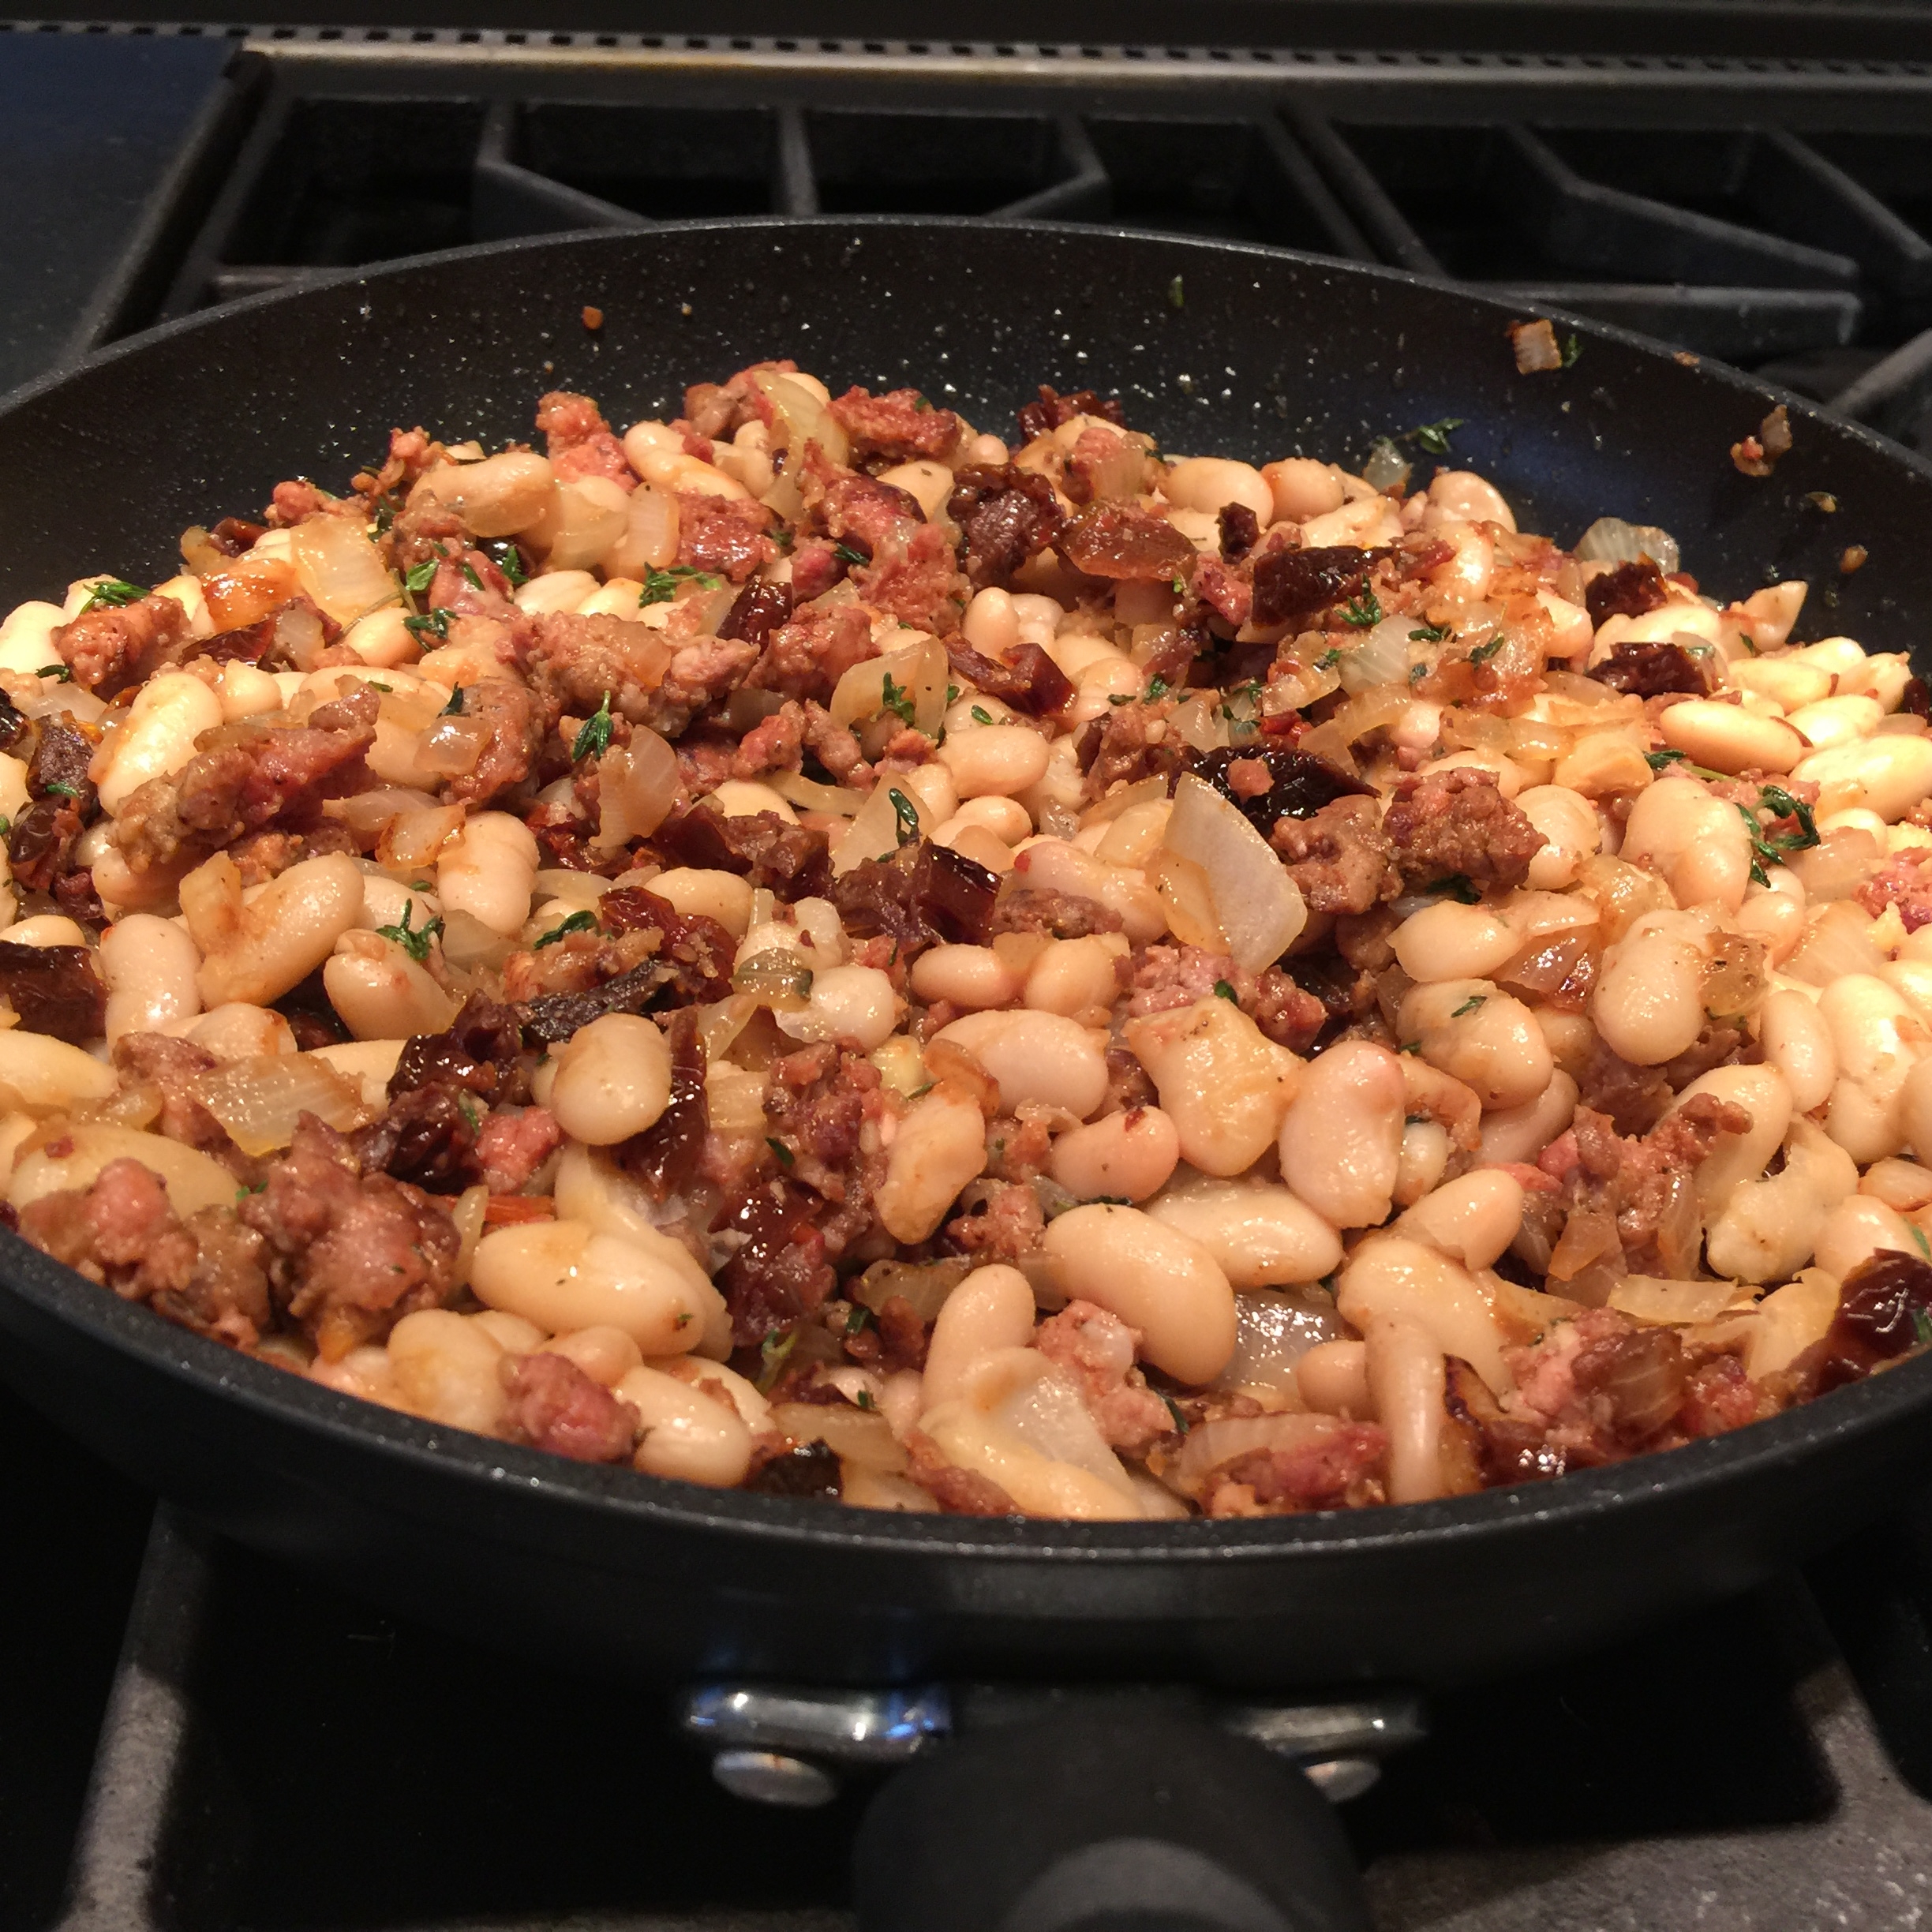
[(110, 595), (980, 715), (1177, 295), (1770, 850), (61, 789), (1657, 760), (1156, 690), (1922, 1322), (1434, 436), (1362, 611), (1328, 659), (1482, 653), (1173, 1409), (1459, 886), (60, 674), (454, 708), (469, 576), (1470, 1005), (436, 625), (660, 586), (907, 814), (419, 577), (415, 944), (594, 736), (772, 1352), (1429, 634), (1571, 349), (1223, 990), (860, 1314), (848, 556), (896, 699), (786, 1157), (586, 921)]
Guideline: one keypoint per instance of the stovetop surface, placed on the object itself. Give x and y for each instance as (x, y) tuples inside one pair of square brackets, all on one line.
[(275, 1755)]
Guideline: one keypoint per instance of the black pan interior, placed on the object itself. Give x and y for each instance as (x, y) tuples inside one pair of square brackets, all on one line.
[(1214, 348)]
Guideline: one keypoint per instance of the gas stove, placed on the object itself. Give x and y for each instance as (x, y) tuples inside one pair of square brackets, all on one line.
[(194, 1738)]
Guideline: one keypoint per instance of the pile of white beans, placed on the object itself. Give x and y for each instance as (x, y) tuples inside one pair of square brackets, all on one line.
[(1280, 1234)]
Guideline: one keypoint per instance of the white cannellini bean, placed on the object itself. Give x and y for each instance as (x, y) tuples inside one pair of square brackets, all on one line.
[(450, 1369), (1463, 496), (239, 1030), (1727, 738), (1389, 1276), (1063, 868), (686, 1433), (721, 895), (1207, 483), (169, 713), (367, 1066), (990, 624), (613, 1080), (1735, 1159), (1877, 1036), (1856, 1229), (1036, 1056), (1155, 1278), (1888, 775), (500, 496), (995, 758), (974, 977), (149, 964), (381, 993), (560, 1276), (1223, 1082), (1487, 1040), (846, 1002), (1072, 976), (1301, 488), (1448, 941), (1127, 1156), (1471, 1220), (940, 1146), (1424, 1159), (1648, 1004), (1699, 844), (1521, 1132), (1837, 720), (1261, 1234), (255, 950), (1769, 1228), (1406, 1381), (44, 929), (1341, 1139), (605, 1354), (1915, 1109), (489, 871), (992, 1309), (1798, 1041), (192, 1180), (1332, 1378)]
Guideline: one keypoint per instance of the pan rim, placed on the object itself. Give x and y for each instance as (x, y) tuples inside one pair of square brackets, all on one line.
[(275, 1396)]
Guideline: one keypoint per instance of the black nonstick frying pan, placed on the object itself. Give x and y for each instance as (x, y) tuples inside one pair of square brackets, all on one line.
[(1214, 348)]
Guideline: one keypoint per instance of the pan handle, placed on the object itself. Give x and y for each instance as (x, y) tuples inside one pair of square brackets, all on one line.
[(1086, 1822)]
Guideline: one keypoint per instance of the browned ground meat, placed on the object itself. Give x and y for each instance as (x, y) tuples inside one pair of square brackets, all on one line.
[(898, 426), (1097, 1349), (555, 1405), (1905, 880), (1340, 858), (1457, 824), (109, 649), (579, 440), (167, 1069), (1043, 909), (349, 1255), (515, 724)]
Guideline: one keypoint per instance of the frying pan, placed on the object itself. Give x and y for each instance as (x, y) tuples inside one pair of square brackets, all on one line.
[(1213, 347)]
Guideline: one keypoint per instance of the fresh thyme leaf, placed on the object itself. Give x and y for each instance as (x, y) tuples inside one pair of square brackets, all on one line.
[(454, 708), (1429, 634), (469, 576), (385, 689), (415, 944), (1328, 659), (59, 673), (1434, 436), (1571, 349), (920, 406), (1459, 886), (1470, 1005), (772, 1352), (860, 1314), (907, 814), (1177, 295), (1223, 990), (953, 696), (1156, 690), (1409, 1046), (1121, 697), (897, 699), (1924, 1247), (660, 586), (1180, 586), (60, 789), (786, 1157), (420, 576), (509, 559), (586, 921), (1364, 612), (1173, 1409), (1417, 673), (865, 1399), (594, 736), (1776, 799), (1482, 652), (848, 556), (1657, 760), (981, 715), (110, 594), (436, 622)]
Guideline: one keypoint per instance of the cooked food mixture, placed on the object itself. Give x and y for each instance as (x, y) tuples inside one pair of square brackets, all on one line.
[(813, 948)]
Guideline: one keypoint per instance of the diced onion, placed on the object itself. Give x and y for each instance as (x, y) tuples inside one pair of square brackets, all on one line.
[(778, 978), (1610, 540), (1260, 907), (366, 813), (923, 1284), (259, 1099), (860, 1435), (918, 672), (802, 418), (1211, 1446), (414, 838), (451, 747), (796, 789), (1272, 1332), (340, 568), (636, 789), (1651, 1298), (1382, 657), (1838, 941), (1386, 468)]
